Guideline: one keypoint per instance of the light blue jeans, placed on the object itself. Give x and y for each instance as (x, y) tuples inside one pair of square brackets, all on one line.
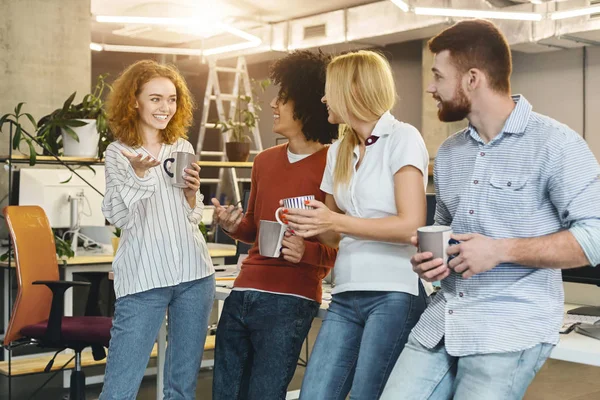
[(136, 323), (433, 374), (359, 343)]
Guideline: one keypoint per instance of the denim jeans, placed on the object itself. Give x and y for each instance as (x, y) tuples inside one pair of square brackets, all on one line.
[(423, 373), (138, 318), (359, 343), (259, 339)]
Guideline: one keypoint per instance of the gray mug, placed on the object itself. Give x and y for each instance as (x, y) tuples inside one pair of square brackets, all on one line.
[(180, 160), (270, 236), (436, 239)]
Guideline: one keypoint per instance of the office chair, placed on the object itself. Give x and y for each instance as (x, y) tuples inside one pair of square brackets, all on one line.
[(37, 315)]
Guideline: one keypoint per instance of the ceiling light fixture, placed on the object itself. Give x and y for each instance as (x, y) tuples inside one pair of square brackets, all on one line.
[(251, 40), (450, 12), (147, 49), (578, 12), (173, 50), (401, 5), (177, 22)]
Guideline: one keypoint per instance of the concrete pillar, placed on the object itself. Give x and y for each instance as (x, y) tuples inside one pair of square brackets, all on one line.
[(44, 57), (45, 54)]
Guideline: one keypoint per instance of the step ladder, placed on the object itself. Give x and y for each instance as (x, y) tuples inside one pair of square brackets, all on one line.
[(213, 93)]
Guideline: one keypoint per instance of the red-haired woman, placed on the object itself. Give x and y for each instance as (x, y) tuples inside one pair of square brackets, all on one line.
[(162, 263)]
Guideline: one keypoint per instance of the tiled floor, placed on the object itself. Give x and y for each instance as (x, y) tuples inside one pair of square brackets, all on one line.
[(556, 381)]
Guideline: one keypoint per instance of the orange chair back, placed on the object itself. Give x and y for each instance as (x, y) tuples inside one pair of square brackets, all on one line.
[(35, 258)]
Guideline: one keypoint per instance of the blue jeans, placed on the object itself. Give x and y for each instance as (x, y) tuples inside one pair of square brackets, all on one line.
[(358, 344), (423, 373), (138, 318), (259, 339)]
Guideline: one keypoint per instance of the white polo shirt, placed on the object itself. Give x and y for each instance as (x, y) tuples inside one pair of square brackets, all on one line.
[(366, 264)]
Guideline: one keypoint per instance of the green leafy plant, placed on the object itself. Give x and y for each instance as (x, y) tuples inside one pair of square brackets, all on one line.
[(117, 232), (18, 135), (70, 116), (244, 119)]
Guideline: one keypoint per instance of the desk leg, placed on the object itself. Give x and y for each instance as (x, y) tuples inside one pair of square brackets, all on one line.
[(219, 309), (160, 359), (68, 312)]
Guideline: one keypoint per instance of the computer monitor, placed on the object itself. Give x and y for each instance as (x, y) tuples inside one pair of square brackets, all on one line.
[(45, 188), (589, 275)]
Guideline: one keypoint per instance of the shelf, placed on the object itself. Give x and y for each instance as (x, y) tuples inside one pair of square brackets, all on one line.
[(21, 366), (215, 250), (23, 159), (225, 164)]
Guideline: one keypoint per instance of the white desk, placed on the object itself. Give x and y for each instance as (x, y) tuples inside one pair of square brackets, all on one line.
[(577, 348)]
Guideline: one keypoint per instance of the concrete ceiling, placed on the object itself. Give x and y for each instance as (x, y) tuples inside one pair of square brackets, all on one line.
[(262, 10)]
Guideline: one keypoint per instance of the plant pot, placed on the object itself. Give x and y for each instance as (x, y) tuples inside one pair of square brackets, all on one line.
[(88, 141), (115, 244), (237, 151)]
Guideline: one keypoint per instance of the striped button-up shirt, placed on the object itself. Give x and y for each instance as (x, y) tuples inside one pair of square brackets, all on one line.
[(537, 177), (161, 244)]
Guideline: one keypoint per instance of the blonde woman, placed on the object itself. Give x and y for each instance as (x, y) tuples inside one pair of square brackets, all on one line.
[(375, 182)]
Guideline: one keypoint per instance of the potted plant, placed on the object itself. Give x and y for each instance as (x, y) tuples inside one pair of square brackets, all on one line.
[(115, 240), (80, 130), (244, 120)]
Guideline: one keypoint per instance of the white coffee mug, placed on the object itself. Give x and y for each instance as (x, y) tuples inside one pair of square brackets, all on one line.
[(436, 239), (294, 202), (270, 237), (180, 160)]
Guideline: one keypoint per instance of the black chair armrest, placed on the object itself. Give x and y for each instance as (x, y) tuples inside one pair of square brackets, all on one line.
[(61, 284), (53, 334)]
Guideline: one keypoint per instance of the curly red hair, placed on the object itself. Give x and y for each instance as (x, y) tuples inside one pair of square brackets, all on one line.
[(123, 117)]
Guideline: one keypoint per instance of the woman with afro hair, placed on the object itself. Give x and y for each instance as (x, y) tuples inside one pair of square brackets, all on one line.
[(162, 263), (270, 310)]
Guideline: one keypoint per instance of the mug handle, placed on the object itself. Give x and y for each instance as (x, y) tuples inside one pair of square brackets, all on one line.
[(452, 242), (172, 160), (277, 215)]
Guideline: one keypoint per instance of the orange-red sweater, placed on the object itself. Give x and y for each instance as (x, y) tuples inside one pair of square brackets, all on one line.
[(275, 178)]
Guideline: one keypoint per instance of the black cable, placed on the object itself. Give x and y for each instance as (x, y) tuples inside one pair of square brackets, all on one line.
[(52, 377)]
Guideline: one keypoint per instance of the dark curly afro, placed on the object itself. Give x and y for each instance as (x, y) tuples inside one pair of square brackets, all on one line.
[(301, 79)]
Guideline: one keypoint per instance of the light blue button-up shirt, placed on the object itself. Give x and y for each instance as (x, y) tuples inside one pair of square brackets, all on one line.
[(536, 178)]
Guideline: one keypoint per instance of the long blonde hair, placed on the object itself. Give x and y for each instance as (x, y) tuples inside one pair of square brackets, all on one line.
[(359, 84)]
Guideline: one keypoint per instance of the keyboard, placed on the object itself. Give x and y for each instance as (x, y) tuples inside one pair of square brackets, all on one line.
[(585, 319)]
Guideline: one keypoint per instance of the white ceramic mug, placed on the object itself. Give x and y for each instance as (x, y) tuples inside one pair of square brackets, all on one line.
[(180, 160), (294, 202), (270, 237)]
